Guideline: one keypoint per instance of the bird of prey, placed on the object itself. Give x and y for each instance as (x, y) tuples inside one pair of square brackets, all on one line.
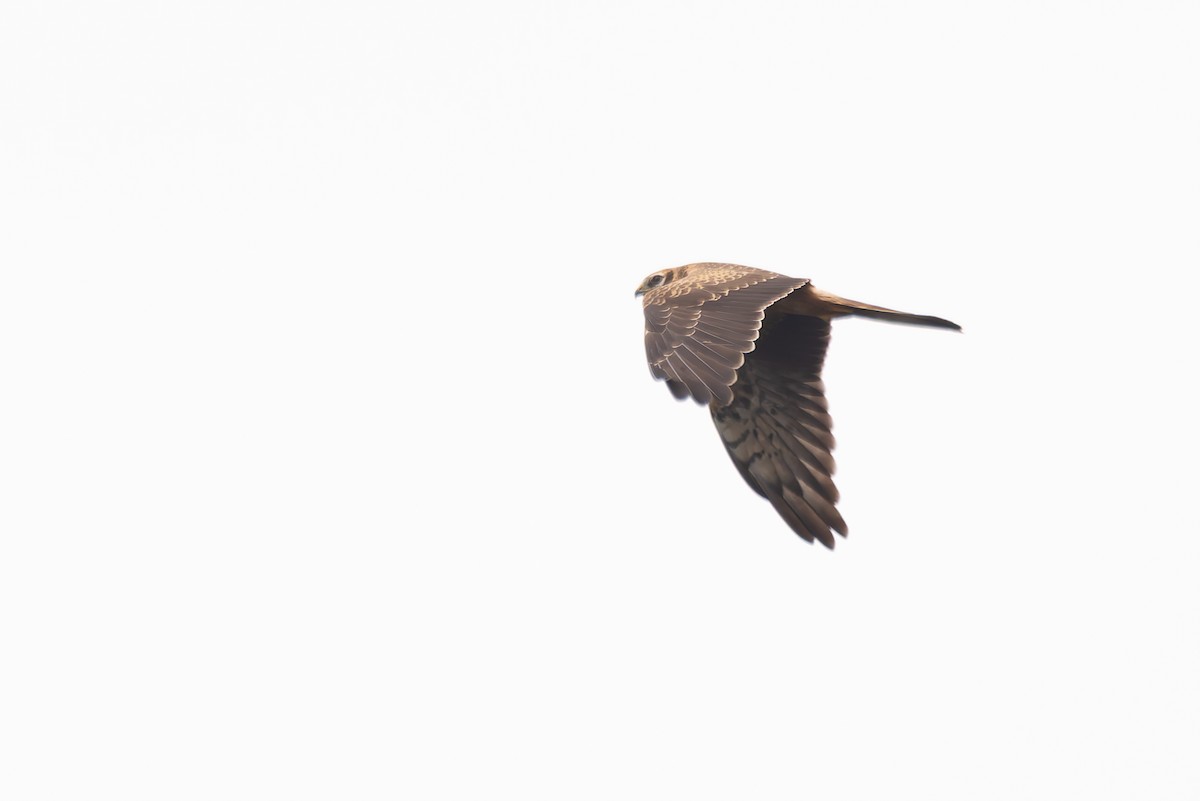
[(751, 343)]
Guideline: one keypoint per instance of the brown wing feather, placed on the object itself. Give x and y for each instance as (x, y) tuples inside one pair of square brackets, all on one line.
[(777, 428), (700, 326)]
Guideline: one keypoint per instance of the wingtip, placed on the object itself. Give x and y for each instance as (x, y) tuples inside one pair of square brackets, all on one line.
[(826, 537)]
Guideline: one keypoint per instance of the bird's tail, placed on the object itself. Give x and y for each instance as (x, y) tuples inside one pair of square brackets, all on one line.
[(854, 307)]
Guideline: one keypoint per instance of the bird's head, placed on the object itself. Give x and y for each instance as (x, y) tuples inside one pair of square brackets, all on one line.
[(655, 280)]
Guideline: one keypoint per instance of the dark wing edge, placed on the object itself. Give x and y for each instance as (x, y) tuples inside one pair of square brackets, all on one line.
[(698, 332), (778, 431)]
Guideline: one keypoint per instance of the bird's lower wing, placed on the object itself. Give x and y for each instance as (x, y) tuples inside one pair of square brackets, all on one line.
[(777, 429)]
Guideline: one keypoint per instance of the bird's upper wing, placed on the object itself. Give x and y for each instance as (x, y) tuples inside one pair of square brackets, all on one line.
[(777, 428), (700, 326)]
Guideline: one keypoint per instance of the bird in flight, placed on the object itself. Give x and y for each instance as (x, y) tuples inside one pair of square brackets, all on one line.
[(751, 343)]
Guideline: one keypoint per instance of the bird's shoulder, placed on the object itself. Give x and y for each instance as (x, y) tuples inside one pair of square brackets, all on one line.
[(707, 282)]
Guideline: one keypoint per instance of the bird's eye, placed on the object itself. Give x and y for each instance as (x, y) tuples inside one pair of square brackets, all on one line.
[(655, 280)]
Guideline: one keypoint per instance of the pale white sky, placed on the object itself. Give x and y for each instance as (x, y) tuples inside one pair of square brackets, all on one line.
[(332, 467)]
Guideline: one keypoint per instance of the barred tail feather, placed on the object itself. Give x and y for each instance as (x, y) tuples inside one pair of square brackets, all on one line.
[(853, 307)]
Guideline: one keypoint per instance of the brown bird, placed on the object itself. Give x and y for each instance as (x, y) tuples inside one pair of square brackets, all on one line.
[(750, 343)]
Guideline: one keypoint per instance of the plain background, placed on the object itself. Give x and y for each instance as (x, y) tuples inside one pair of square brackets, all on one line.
[(331, 466)]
